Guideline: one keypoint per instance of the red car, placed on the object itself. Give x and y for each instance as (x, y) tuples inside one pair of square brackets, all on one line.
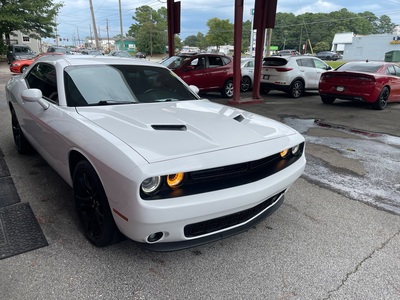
[(19, 66), (209, 72), (363, 81)]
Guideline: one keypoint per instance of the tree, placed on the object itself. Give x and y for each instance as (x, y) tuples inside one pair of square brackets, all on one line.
[(385, 25), (220, 32), (191, 41), (150, 29), (322, 46), (246, 34), (33, 18)]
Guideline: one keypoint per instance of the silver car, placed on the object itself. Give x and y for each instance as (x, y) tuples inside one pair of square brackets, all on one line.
[(292, 74), (247, 67)]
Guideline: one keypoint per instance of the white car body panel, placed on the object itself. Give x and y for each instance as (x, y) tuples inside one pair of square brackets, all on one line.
[(124, 149)]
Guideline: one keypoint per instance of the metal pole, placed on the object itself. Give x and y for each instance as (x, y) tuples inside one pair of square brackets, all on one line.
[(120, 25), (94, 26)]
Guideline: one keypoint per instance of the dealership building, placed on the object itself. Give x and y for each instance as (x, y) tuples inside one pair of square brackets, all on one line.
[(363, 47)]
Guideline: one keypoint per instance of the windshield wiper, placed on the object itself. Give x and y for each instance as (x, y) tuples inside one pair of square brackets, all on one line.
[(111, 102)]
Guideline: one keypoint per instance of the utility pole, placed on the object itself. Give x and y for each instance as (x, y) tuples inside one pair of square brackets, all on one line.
[(94, 26), (120, 25), (108, 39)]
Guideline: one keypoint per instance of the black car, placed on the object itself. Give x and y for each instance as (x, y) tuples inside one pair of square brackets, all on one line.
[(18, 52), (140, 55), (328, 55)]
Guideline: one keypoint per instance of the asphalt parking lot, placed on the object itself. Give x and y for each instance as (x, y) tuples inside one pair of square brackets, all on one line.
[(329, 240)]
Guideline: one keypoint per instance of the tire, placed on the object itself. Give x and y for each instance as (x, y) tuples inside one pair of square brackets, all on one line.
[(296, 89), (327, 99), (382, 100), (92, 206), (21, 143), (265, 91), (23, 69), (245, 84), (227, 91)]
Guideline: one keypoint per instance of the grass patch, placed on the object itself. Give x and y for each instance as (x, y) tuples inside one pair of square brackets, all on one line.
[(335, 64)]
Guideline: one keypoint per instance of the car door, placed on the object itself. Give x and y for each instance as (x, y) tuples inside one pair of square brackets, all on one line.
[(217, 71), (320, 67), (40, 124), (195, 72), (308, 72), (394, 71)]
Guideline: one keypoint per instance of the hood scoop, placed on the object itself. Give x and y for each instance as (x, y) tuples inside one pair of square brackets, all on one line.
[(170, 127), (239, 118)]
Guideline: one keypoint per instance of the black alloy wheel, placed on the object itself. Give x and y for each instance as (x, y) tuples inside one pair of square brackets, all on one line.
[(382, 100), (92, 206), (296, 89), (21, 143), (245, 84)]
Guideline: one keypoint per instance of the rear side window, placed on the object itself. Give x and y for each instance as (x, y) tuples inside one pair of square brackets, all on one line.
[(274, 61), (360, 67)]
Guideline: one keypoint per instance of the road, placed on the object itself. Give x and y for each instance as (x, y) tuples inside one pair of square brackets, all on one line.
[(335, 237)]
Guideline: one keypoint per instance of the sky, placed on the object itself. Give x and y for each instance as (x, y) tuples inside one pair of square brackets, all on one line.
[(75, 22)]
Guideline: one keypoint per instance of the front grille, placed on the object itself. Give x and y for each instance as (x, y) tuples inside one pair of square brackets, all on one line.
[(209, 226), (203, 181)]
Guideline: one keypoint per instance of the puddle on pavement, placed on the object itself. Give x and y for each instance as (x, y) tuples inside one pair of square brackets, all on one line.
[(361, 165)]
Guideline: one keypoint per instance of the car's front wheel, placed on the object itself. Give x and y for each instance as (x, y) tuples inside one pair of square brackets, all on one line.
[(296, 88), (246, 84), (382, 100), (92, 206), (327, 99), (21, 143), (227, 90)]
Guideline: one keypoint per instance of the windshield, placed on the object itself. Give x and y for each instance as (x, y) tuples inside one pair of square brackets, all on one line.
[(361, 67), (175, 62), (122, 84)]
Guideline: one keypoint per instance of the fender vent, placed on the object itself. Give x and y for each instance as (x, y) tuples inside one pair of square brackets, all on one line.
[(170, 127)]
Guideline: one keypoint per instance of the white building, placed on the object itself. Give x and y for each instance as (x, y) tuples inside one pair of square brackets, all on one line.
[(23, 39)]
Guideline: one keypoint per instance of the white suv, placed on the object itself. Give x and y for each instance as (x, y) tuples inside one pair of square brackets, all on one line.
[(291, 74)]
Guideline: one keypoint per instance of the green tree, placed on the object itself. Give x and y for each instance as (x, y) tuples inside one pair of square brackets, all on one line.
[(220, 32), (385, 25), (191, 41), (246, 34), (33, 18), (150, 29), (322, 46)]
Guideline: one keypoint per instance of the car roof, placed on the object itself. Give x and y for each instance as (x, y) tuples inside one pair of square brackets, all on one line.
[(80, 60)]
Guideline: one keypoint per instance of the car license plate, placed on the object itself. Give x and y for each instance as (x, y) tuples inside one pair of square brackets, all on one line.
[(340, 88), (266, 77)]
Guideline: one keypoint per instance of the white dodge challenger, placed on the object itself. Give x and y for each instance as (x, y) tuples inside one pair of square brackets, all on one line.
[(146, 157)]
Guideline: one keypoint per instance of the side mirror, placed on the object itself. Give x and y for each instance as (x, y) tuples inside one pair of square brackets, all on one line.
[(194, 89), (34, 95)]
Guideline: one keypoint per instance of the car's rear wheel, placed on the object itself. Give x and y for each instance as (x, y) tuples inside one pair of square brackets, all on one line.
[(327, 99), (92, 206), (382, 100), (227, 90), (21, 143), (296, 89), (246, 84)]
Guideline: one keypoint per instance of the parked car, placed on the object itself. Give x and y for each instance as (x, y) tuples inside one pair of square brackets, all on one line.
[(288, 52), (328, 55), (18, 52), (20, 66), (56, 49), (120, 53), (291, 74), (363, 81), (247, 68), (140, 55), (146, 156), (209, 72)]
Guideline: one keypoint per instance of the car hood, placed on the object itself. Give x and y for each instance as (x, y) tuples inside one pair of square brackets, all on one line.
[(160, 131)]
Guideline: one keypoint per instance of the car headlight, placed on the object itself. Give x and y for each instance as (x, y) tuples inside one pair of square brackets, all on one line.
[(175, 180), (14, 65), (151, 185), (294, 151)]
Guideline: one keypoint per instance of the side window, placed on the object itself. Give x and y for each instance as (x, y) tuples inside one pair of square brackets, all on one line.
[(319, 64), (199, 63), (43, 77), (397, 69), (215, 61), (226, 60), (305, 62)]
